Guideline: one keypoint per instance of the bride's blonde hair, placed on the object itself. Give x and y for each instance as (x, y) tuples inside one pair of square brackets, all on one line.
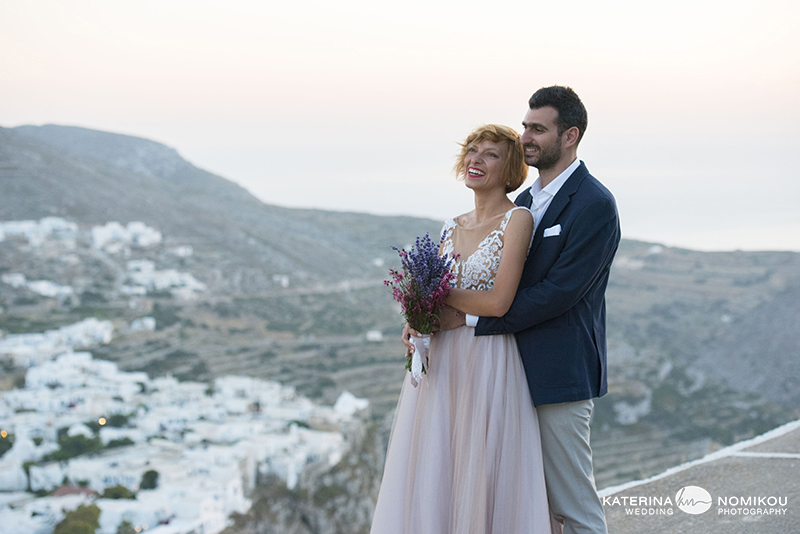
[(514, 170)]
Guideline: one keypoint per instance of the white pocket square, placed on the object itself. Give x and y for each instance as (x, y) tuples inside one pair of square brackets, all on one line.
[(553, 230)]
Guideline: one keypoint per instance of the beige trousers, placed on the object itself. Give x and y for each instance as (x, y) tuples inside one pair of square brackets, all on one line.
[(568, 470)]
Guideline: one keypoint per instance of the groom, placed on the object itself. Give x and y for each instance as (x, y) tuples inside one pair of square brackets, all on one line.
[(559, 312)]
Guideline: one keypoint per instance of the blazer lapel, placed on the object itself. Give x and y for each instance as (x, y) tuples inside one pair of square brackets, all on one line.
[(524, 198), (558, 204)]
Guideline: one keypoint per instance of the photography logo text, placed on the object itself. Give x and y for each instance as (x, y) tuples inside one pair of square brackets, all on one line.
[(695, 500)]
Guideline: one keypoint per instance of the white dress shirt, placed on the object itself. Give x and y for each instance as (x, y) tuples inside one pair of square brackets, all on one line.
[(541, 197)]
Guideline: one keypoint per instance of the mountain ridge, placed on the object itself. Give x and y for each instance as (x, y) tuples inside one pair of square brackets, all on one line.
[(43, 177)]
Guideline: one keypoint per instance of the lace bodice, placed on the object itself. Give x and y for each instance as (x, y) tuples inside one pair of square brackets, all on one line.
[(476, 269)]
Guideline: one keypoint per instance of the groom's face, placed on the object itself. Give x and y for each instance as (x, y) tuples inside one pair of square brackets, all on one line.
[(540, 138)]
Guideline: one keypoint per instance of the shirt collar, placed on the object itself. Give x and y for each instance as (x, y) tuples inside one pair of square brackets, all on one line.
[(552, 188)]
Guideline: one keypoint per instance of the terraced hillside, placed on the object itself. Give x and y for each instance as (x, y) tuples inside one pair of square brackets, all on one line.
[(702, 351)]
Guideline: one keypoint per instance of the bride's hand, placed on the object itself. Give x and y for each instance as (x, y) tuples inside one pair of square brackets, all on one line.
[(407, 333)]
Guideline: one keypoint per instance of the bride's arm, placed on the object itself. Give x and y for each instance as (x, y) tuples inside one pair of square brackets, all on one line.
[(497, 301)]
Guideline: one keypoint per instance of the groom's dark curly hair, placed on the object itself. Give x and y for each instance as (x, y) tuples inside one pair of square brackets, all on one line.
[(571, 111)]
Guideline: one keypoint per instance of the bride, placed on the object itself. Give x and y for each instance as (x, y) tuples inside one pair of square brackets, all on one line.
[(464, 454)]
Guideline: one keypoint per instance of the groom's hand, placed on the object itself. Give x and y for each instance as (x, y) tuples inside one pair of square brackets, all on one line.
[(450, 318)]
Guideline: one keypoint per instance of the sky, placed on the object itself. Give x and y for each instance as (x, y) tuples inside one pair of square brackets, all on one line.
[(694, 121)]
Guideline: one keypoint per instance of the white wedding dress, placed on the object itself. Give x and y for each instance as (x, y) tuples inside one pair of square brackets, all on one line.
[(464, 455)]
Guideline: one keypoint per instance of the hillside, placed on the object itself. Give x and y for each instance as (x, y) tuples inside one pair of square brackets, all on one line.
[(703, 347), (94, 177)]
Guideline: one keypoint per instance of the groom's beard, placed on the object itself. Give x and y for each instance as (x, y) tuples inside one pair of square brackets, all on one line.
[(547, 159)]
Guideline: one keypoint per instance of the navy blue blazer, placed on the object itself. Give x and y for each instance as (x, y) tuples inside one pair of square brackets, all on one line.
[(559, 312)]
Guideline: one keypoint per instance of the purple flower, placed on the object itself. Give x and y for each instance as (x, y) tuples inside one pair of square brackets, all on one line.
[(424, 284)]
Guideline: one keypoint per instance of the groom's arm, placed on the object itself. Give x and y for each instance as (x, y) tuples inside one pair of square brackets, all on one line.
[(588, 250)]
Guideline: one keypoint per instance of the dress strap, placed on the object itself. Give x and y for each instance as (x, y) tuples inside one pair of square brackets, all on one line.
[(508, 217), (447, 229), (447, 237)]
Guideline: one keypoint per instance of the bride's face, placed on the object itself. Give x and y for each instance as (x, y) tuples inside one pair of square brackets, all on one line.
[(484, 165)]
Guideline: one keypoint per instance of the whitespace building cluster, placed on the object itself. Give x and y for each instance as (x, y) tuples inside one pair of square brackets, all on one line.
[(208, 445)]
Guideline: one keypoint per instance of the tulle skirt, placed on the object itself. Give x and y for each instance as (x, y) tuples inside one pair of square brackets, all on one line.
[(464, 455)]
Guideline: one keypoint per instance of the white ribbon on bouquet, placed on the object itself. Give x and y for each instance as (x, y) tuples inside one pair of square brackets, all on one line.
[(422, 345)]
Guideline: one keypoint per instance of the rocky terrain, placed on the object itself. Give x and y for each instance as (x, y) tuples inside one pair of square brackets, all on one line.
[(703, 347)]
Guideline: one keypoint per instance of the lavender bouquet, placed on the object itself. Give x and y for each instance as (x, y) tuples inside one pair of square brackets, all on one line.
[(421, 289)]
